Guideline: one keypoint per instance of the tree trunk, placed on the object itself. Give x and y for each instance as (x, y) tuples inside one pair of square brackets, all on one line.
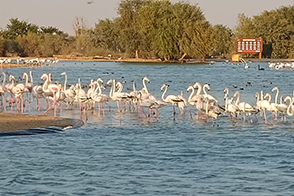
[(204, 58), (137, 54), (183, 57)]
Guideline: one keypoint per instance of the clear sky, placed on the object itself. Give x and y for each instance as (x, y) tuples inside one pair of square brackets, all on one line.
[(61, 13)]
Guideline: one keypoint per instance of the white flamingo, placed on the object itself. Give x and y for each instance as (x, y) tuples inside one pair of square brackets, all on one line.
[(69, 92), (245, 107), (230, 107), (173, 99)]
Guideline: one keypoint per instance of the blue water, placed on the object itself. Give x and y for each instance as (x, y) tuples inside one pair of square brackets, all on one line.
[(124, 154)]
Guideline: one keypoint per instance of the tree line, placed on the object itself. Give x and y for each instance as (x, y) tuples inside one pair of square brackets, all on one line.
[(153, 29)]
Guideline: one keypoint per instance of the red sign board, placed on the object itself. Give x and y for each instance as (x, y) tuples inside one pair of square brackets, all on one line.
[(249, 45)]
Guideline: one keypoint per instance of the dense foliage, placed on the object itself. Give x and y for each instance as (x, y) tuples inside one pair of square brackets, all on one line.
[(153, 29), (276, 28)]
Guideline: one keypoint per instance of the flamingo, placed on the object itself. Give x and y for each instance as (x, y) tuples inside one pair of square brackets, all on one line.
[(135, 96), (37, 92), (17, 91), (173, 99), (229, 106), (211, 99), (272, 108), (182, 104), (98, 97), (264, 105), (28, 85), (116, 95), (244, 106), (281, 107), (70, 92), (81, 96), (52, 91), (290, 111), (199, 99), (4, 89), (191, 99), (211, 110), (151, 104)]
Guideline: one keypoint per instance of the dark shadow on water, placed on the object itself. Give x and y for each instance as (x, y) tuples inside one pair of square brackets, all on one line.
[(35, 131)]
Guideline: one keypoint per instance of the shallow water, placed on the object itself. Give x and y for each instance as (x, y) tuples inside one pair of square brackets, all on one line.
[(125, 154)]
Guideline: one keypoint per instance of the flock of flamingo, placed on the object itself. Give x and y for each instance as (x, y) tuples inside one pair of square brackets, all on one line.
[(18, 96), (281, 65), (29, 62)]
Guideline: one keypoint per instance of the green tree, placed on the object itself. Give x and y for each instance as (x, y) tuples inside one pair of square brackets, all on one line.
[(173, 30), (245, 27), (18, 28), (199, 39), (51, 30), (83, 35), (223, 40), (30, 44), (275, 27), (129, 37), (2, 42), (105, 35)]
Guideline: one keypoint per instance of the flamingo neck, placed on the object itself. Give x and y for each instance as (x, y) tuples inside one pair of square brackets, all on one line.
[(257, 97), (226, 93), (269, 97), (31, 76), (12, 82), (163, 94), (4, 80), (134, 86), (226, 103), (45, 85), (238, 97), (192, 93), (281, 99), (144, 86), (65, 82), (26, 77), (276, 97), (261, 96), (204, 89), (98, 88), (120, 87), (112, 89), (290, 106)]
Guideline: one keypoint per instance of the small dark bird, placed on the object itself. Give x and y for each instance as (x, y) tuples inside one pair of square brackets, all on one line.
[(260, 68), (248, 84), (234, 86)]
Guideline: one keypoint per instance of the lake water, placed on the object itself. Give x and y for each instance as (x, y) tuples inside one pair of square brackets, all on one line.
[(126, 154)]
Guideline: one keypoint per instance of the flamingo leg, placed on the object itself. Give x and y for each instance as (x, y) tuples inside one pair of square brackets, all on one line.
[(174, 112), (265, 121)]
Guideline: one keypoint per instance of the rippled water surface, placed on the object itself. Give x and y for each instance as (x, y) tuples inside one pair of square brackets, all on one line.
[(125, 154)]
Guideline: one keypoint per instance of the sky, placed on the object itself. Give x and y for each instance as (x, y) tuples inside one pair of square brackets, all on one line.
[(62, 13)]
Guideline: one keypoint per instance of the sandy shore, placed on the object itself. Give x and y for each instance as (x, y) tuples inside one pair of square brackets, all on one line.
[(14, 122)]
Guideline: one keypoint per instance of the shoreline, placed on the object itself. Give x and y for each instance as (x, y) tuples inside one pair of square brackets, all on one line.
[(135, 60), (12, 122)]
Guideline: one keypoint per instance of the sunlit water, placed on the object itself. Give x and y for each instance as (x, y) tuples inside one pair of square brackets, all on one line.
[(126, 154)]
